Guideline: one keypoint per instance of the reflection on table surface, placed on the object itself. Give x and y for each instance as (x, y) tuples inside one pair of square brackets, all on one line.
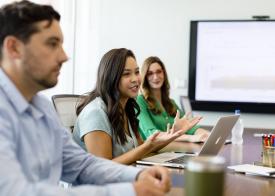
[(235, 184)]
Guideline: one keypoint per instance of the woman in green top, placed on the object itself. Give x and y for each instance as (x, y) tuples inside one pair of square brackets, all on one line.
[(157, 108)]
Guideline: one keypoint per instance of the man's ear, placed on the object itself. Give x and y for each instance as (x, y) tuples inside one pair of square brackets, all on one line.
[(13, 46)]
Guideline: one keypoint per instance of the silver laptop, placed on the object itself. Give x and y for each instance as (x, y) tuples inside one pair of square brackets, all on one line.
[(211, 146)]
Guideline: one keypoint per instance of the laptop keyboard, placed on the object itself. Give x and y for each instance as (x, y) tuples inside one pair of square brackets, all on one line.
[(180, 160)]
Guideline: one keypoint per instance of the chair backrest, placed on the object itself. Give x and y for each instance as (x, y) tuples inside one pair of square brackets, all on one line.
[(186, 105), (65, 105)]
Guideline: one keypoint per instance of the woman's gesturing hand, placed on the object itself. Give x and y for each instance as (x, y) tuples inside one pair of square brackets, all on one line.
[(185, 123), (160, 139)]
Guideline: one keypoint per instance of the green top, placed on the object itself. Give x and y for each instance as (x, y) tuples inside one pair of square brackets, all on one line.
[(150, 122)]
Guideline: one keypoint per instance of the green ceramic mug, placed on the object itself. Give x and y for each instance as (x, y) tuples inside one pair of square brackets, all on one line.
[(204, 176)]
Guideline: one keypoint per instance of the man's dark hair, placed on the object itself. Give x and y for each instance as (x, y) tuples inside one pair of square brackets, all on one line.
[(19, 19)]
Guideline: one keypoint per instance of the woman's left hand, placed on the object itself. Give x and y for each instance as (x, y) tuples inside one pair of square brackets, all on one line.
[(202, 134), (160, 139), (196, 138), (185, 123)]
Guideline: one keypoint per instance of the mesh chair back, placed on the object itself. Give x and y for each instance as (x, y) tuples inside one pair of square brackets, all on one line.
[(65, 105)]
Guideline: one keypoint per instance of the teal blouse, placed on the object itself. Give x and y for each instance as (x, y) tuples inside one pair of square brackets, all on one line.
[(150, 122)]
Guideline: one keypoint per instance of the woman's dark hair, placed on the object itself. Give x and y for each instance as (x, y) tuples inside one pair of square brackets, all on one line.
[(145, 88), (109, 73), (19, 19)]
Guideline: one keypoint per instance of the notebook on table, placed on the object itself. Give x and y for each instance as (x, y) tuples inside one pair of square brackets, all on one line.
[(254, 170), (211, 146)]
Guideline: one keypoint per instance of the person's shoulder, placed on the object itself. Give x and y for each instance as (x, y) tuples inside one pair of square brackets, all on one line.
[(176, 106), (3, 100), (140, 96), (93, 117), (171, 99), (42, 98), (96, 107), (140, 99), (173, 102), (6, 108), (43, 102), (45, 105)]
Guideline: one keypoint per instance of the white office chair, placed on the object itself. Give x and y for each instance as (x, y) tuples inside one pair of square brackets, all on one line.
[(186, 105), (65, 105)]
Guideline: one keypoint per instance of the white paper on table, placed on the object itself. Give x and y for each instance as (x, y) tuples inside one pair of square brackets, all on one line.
[(254, 169)]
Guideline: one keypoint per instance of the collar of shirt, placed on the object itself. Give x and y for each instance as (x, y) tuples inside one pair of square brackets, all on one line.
[(17, 99)]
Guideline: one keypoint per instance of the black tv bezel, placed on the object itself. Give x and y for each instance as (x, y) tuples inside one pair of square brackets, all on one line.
[(251, 107)]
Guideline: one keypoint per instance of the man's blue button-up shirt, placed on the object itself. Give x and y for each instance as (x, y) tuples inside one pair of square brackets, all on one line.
[(36, 152)]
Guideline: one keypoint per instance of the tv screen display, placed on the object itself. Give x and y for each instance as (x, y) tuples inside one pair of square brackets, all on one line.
[(232, 66)]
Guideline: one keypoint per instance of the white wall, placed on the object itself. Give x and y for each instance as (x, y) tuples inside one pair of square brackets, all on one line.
[(148, 27), (161, 27)]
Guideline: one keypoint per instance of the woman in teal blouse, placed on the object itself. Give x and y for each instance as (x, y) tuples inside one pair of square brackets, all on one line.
[(157, 108), (107, 124)]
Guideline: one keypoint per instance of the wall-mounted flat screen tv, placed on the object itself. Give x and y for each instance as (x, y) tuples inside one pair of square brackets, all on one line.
[(232, 65)]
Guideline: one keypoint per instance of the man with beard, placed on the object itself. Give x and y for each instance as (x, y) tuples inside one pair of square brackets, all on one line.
[(36, 152)]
